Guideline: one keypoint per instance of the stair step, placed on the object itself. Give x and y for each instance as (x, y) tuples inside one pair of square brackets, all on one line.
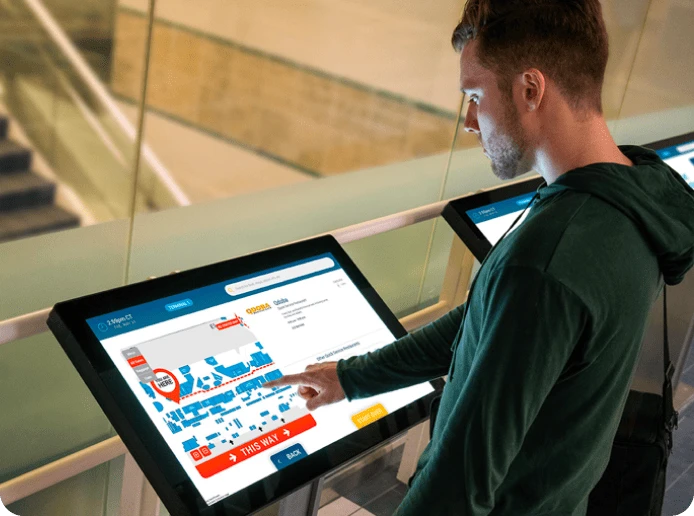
[(33, 221), (13, 157), (24, 190), (3, 127)]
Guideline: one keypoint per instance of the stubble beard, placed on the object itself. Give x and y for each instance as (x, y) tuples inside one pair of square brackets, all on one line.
[(508, 156)]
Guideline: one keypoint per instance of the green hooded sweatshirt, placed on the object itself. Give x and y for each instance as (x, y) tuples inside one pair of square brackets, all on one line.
[(539, 366)]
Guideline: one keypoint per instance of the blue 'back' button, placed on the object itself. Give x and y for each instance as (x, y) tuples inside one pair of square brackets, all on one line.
[(288, 456)]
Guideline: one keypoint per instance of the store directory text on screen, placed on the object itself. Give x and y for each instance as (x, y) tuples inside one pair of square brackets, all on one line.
[(197, 363)]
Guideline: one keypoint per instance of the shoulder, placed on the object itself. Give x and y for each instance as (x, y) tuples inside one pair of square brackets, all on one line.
[(571, 225), (579, 241)]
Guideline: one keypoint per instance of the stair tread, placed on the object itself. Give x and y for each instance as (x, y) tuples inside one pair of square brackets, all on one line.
[(32, 221), (20, 190), (9, 146), (19, 181), (13, 157)]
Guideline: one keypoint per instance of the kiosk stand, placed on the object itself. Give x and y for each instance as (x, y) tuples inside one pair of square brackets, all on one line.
[(304, 502)]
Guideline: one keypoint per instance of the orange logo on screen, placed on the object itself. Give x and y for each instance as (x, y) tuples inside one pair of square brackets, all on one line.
[(260, 308), (4, 511)]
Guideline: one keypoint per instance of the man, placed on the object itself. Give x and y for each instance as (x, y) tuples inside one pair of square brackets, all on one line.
[(540, 359)]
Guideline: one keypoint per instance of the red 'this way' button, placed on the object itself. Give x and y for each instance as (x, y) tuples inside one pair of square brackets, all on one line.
[(255, 446)]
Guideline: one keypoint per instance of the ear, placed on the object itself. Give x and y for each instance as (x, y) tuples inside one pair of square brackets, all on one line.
[(533, 82)]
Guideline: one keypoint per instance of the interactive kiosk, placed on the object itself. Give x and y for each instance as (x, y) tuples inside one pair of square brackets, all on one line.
[(178, 366)]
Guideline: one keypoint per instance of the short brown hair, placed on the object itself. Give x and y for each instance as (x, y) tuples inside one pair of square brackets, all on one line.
[(565, 39)]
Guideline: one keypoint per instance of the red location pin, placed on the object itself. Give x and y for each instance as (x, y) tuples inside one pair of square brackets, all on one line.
[(167, 385)]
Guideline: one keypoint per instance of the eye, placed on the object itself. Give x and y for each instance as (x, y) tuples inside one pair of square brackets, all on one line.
[(473, 100)]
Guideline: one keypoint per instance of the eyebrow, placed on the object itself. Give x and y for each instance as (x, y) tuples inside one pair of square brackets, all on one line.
[(469, 88)]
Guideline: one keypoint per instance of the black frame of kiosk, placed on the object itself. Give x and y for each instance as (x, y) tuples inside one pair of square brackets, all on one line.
[(68, 319), (669, 142), (455, 213)]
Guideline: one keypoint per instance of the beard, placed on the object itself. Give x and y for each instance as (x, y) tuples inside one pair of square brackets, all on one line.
[(507, 160), (507, 150)]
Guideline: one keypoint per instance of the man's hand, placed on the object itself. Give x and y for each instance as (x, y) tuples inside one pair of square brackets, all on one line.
[(318, 385)]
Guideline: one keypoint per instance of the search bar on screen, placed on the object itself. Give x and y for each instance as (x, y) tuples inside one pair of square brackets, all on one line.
[(272, 278)]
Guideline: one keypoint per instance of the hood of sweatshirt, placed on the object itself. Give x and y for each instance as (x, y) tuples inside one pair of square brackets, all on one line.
[(654, 196)]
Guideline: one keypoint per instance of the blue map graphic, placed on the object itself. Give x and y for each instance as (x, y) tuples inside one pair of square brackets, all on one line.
[(239, 406)]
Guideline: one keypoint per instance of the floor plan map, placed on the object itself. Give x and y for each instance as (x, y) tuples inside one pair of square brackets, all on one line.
[(215, 404)]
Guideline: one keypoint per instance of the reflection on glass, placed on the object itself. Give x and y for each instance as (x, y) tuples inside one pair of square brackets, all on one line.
[(662, 75), (279, 94), (66, 149)]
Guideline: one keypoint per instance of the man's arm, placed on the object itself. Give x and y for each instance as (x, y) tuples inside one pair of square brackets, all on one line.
[(415, 358), (418, 357), (529, 328)]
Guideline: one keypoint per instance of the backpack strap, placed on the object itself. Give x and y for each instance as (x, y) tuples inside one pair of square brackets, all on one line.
[(670, 415)]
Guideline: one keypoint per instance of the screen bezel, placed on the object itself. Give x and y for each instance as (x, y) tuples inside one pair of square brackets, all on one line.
[(68, 321), (670, 142), (455, 213)]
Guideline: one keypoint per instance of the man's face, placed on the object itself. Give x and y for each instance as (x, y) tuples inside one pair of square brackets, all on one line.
[(492, 115)]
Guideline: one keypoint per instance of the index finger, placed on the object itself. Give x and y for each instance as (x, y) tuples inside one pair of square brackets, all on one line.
[(292, 379)]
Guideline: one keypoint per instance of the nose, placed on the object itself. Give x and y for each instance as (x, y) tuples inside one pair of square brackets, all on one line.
[(471, 125)]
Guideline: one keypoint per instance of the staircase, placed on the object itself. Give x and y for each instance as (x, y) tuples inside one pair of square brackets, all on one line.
[(27, 200)]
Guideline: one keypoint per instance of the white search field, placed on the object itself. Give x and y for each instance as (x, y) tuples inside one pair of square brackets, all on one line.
[(685, 148), (272, 278)]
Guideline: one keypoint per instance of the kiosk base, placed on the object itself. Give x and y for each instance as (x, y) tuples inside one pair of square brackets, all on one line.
[(304, 502)]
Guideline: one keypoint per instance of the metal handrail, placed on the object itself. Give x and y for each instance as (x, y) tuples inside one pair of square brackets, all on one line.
[(98, 89), (23, 326), (34, 323), (66, 467)]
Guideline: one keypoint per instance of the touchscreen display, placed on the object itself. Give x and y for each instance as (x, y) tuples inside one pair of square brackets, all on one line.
[(494, 219), (680, 158), (197, 363)]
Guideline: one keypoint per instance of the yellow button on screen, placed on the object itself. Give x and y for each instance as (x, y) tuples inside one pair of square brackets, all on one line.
[(368, 416)]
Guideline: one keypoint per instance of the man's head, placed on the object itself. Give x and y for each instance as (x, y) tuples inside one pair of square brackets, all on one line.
[(520, 58)]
